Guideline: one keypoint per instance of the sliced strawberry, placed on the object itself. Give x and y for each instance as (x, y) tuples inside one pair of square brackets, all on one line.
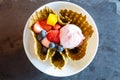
[(44, 25), (56, 27), (53, 36), (37, 27)]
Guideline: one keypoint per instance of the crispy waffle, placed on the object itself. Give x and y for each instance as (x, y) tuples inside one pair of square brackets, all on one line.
[(78, 52), (79, 20), (38, 47), (57, 59), (42, 14), (43, 55)]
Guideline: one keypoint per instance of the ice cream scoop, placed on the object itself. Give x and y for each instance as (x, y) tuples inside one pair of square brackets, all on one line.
[(71, 36)]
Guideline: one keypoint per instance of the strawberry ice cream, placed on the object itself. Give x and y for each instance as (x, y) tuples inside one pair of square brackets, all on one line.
[(71, 36)]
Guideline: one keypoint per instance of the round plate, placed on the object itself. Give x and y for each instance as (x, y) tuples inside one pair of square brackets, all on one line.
[(72, 67)]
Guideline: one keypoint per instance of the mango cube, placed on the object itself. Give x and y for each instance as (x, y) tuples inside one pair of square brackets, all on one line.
[(52, 19)]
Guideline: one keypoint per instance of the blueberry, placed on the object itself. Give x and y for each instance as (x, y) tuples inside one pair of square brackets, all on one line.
[(44, 50), (60, 48), (52, 45), (41, 35)]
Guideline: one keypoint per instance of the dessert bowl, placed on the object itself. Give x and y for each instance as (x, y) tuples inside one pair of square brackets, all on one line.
[(72, 67)]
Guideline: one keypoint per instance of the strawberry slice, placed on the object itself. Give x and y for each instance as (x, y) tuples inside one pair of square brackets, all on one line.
[(56, 27), (44, 25), (37, 27), (53, 36)]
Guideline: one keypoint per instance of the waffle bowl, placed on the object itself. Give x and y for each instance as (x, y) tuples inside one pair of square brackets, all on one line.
[(70, 66), (57, 59), (72, 17), (69, 16)]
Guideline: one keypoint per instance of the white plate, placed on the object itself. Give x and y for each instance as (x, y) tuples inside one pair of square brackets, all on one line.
[(72, 67)]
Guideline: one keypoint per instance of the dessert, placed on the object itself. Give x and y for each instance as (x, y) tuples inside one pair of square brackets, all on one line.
[(71, 36), (59, 37)]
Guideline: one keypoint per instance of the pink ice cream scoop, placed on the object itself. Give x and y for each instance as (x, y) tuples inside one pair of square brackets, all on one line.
[(71, 36)]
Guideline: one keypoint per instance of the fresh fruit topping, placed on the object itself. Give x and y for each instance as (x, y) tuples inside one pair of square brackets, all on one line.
[(56, 27), (52, 45), (39, 38), (45, 42), (60, 48), (37, 27), (44, 25), (44, 50), (53, 36), (52, 19), (41, 35)]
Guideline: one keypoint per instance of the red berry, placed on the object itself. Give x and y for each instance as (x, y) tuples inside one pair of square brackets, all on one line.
[(37, 27), (53, 36), (44, 25), (56, 27)]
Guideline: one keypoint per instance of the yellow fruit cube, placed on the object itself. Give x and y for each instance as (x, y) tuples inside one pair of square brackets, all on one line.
[(52, 19)]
